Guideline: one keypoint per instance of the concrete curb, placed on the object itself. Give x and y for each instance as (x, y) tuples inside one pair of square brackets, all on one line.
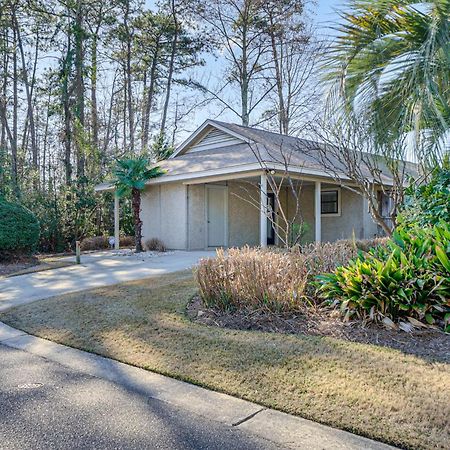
[(280, 428)]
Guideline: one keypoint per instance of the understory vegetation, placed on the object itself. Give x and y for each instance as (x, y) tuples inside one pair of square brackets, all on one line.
[(19, 230), (404, 279)]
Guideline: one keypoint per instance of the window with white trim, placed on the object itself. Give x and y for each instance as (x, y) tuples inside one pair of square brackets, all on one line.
[(329, 202)]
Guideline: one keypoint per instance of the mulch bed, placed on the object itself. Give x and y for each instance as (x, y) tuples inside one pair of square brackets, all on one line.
[(427, 343), (18, 264)]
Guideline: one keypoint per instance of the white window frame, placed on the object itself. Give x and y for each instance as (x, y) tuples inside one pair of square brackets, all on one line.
[(339, 194)]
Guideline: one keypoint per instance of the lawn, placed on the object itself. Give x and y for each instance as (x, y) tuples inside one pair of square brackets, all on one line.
[(373, 391)]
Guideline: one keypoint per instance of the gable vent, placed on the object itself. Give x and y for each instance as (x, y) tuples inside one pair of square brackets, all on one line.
[(214, 139)]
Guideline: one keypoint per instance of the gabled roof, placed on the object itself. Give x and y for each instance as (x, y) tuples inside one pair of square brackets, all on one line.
[(251, 150), (203, 131)]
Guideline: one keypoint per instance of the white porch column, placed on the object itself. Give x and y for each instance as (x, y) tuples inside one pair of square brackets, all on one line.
[(317, 212), (116, 222), (263, 211)]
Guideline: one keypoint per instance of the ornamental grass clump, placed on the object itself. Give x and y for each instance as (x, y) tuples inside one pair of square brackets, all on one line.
[(271, 279), (408, 279), (253, 278)]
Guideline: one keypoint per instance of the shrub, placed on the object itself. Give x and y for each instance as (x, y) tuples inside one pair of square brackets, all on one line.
[(19, 229), (273, 279), (429, 203), (95, 243), (155, 244), (126, 241), (408, 278)]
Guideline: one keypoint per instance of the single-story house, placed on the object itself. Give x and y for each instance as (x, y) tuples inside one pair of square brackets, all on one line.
[(200, 202)]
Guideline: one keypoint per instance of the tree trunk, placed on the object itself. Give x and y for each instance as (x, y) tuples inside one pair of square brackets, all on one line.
[(30, 114), (171, 69), (128, 73), (136, 205), (14, 165), (79, 88), (244, 80), (94, 111), (149, 102), (283, 123)]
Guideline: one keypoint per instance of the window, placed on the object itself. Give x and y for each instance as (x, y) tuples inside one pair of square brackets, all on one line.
[(329, 202)]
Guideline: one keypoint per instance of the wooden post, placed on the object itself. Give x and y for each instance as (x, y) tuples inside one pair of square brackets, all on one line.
[(77, 252)]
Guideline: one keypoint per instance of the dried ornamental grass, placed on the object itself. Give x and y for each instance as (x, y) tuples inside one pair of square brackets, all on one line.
[(274, 279), (253, 278)]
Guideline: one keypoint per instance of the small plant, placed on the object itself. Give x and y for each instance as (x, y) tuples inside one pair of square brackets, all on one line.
[(408, 279), (94, 243), (126, 241), (155, 244), (297, 233)]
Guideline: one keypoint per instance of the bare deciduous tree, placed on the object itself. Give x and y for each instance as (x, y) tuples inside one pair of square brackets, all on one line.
[(351, 156)]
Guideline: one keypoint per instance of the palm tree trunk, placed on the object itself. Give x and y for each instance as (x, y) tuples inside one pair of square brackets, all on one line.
[(136, 205)]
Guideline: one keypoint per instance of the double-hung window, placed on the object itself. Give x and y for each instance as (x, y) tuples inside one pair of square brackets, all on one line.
[(329, 202)]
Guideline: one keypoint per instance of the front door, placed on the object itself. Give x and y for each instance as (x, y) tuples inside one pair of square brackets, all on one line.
[(270, 222), (217, 215)]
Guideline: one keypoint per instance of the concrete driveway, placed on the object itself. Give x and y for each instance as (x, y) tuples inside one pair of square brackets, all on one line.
[(97, 269)]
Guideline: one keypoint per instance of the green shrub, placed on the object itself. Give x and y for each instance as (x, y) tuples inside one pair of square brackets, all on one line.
[(407, 278), (429, 203), (19, 229)]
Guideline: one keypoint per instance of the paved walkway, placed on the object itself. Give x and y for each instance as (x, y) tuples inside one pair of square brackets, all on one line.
[(93, 401), (97, 269)]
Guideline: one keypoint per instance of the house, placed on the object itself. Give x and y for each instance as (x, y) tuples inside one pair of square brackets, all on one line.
[(203, 199)]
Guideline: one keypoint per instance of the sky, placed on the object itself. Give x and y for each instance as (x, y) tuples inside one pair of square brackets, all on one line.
[(322, 14)]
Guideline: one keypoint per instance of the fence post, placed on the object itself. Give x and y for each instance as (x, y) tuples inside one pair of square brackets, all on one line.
[(77, 252)]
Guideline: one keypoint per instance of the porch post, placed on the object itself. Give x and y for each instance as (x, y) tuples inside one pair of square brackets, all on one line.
[(116, 222), (317, 212), (263, 211)]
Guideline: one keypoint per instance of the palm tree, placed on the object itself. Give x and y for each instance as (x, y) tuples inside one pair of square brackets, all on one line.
[(391, 65), (131, 176)]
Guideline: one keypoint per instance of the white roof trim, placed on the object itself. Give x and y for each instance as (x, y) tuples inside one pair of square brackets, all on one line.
[(182, 147), (240, 169)]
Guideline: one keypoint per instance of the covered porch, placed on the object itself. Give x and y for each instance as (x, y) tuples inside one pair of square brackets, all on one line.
[(233, 210)]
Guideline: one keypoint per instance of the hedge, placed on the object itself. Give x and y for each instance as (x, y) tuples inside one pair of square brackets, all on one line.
[(19, 229)]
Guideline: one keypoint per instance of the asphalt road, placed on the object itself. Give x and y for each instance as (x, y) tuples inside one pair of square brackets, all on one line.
[(44, 405)]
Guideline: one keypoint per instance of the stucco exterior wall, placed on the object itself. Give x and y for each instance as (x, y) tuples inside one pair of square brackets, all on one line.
[(176, 214), (164, 214), (350, 220)]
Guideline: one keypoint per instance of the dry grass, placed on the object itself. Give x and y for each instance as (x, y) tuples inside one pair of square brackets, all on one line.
[(377, 392), (271, 279), (155, 244)]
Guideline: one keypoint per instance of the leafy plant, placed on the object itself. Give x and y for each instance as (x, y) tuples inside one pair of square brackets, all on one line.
[(390, 63), (429, 203), (131, 176), (19, 229), (407, 279)]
